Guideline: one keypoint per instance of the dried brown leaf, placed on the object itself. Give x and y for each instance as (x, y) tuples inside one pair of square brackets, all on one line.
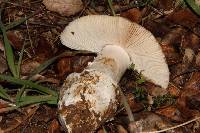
[(134, 15), (64, 7), (170, 112), (16, 39), (184, 17), (54, 127)]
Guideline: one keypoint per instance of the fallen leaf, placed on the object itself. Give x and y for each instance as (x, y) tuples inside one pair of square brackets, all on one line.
[(150, 122), (188, 56), (184, 17), (191, 88), (166, 4), (134, 15), (54, 127), (43, 51), (153, 27), (67, 65), (121, 129), (16, 39), (28, 66), (64, 7), (198, 60), (135, 106), (193, 102), (190, 40), (174, 91), (170, 112), (171, 54)]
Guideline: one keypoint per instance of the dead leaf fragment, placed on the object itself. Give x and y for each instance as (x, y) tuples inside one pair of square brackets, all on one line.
[(54, 127), (188, 56), (134, 15), (121, 129), (64, 7), (194, 101), (1, 46), (28, 66), (191, 88), (16, 39), (198, 59), (174, 91), (68, 65), (171, 55), (170, 112), (3, 63), (191, 40), (184, 17)]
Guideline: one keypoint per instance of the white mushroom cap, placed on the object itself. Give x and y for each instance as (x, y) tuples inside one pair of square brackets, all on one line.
[(93, 32)]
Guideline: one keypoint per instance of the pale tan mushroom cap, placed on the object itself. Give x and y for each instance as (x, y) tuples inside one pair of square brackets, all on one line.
[(93, 32)]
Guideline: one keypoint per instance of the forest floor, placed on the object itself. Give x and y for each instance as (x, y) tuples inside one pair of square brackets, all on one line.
[(174, 24)]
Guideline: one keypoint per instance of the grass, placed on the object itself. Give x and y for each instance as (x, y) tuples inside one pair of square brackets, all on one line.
[(44, 94), (111, 7), (194, 6)]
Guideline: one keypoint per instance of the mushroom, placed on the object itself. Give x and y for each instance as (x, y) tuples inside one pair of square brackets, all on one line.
[(90, 98)]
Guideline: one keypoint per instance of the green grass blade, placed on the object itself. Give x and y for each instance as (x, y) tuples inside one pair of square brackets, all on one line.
[(9, 51), (18, 22), (19, 94), (26, 100), (20, 61), (52, 60), (111, 7), (29, 84), (3, 94), (194, 6), (43, 66)]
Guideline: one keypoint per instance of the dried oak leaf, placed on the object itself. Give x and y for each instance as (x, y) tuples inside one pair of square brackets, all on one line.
[(184, 17), (170, 112), (44, 50), (16, 39), (198, 60), (64, 7), (134, 15), (193, 102), (67, 65), (191, 88), (54, 127), (191, 40)]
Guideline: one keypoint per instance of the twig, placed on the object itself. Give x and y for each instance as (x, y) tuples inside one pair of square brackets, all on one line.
[(177, 126), (126, 105), (186, 72), (31, 42)]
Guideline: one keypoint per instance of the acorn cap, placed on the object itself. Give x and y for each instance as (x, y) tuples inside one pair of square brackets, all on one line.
[(94, 32)]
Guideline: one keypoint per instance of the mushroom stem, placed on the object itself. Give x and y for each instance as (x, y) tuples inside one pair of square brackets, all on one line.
[(90, 98), (113, 60)]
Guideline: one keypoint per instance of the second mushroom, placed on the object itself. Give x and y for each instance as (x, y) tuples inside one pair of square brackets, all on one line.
[(89, 98)]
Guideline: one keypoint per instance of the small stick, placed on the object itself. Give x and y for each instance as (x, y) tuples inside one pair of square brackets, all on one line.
[(177, 126)]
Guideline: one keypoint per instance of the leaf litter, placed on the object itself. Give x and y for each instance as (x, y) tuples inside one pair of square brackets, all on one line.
[(175, 26)]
